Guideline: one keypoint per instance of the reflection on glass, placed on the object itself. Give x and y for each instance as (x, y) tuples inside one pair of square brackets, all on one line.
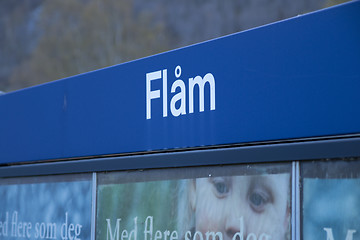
[(331, 199), (57, 207), (235, 202)]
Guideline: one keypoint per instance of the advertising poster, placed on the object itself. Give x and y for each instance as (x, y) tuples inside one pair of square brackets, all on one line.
[(331, 201), (213, 203), (56, 207)]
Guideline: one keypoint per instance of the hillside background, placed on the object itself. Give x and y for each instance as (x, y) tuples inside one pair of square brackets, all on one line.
[(41, 41)]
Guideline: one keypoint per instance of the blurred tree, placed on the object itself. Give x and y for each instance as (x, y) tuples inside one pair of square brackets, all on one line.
[(80, 36), (42, 41), (330, 3), (18, 35)]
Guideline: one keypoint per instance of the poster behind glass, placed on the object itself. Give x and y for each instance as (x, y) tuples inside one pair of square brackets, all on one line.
[(245, 202), (331, 199), (53, 207)]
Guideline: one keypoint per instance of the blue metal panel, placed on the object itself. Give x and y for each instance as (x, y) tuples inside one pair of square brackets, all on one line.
[(292, 79), (339, 148)]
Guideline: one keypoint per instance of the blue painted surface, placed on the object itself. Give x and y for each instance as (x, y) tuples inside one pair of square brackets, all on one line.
[(292, 79)]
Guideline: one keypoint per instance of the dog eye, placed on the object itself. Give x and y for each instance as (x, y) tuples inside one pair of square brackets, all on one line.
[(258, 200), (221, 186)]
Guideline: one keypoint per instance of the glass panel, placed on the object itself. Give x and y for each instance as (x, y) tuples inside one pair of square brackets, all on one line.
[(331, 199), (56, 207), (244, 202)]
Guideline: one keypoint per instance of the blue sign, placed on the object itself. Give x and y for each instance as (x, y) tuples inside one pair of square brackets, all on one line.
[(292, 79)]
